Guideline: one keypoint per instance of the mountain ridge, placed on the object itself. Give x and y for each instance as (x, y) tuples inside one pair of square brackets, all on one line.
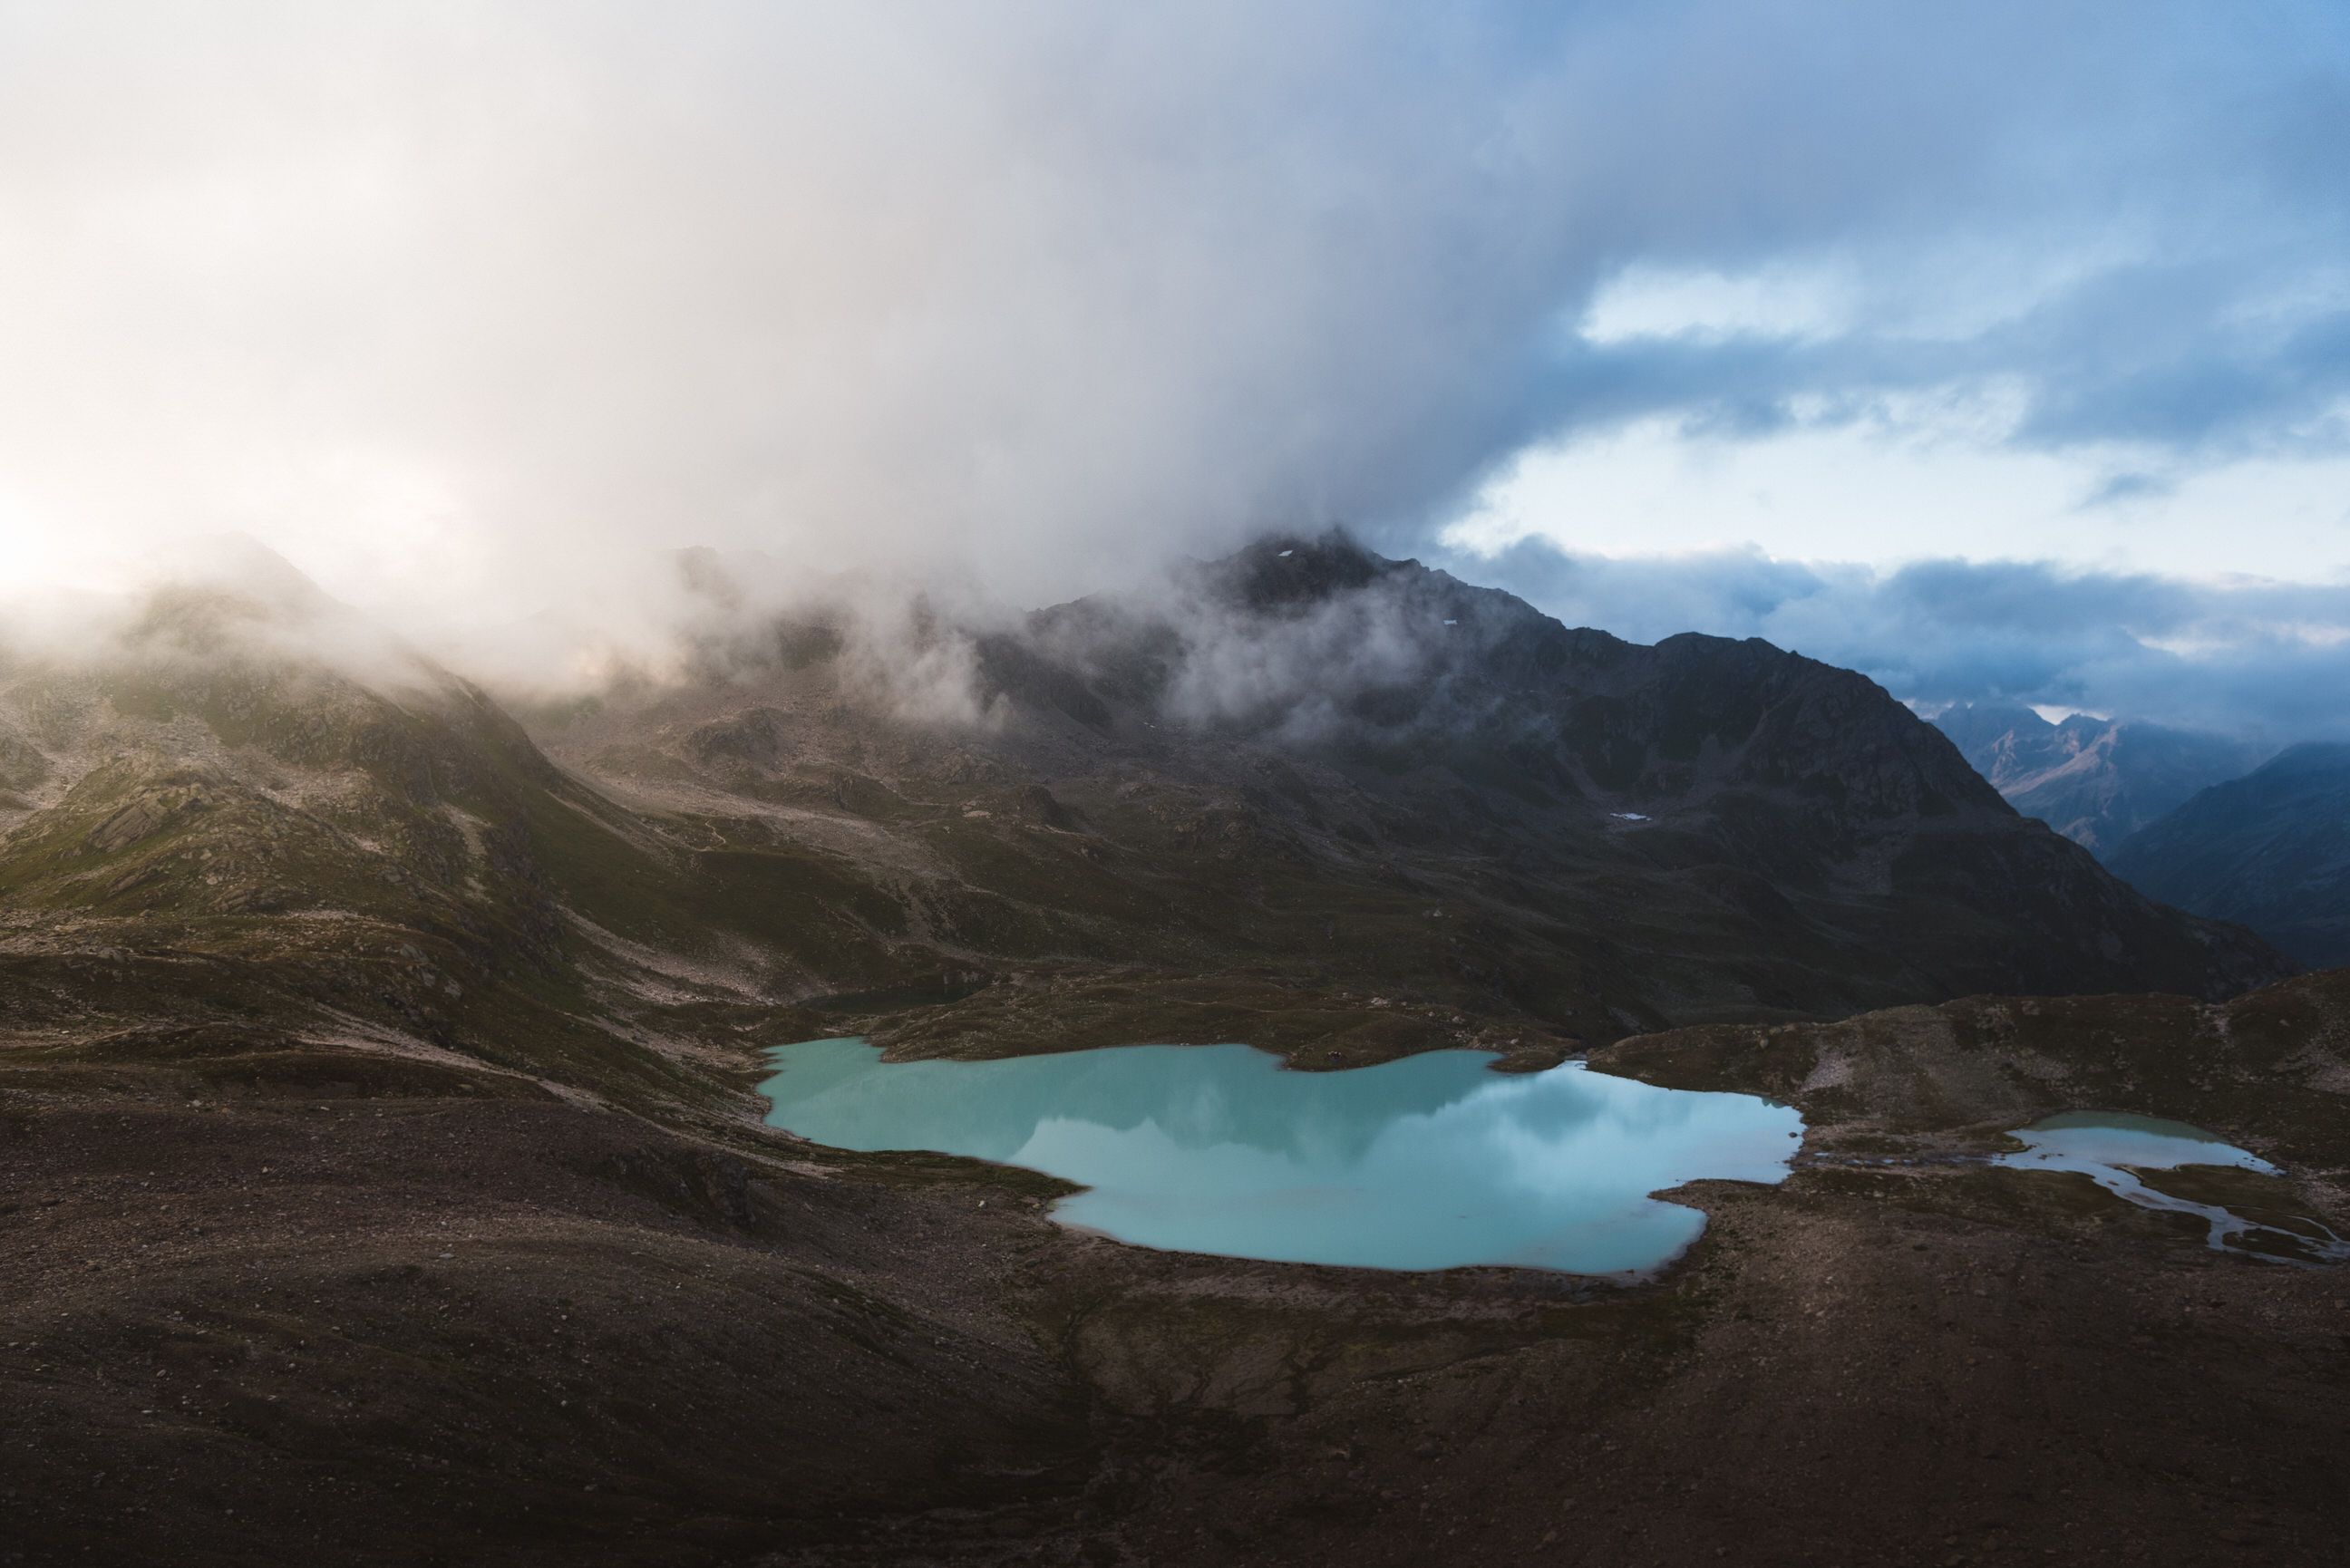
[(2095, 780), (1294, 786), (2269, 850), (1369, 729)]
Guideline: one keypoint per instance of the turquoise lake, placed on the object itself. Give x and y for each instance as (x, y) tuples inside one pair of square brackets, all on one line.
[(1430, 1162)]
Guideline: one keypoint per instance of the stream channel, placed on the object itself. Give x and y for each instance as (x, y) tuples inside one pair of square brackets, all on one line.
[(1428, 1162), (2111, 1147)]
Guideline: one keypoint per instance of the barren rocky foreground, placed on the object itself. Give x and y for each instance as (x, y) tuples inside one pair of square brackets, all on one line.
[(382, 1180), (259, 1314)]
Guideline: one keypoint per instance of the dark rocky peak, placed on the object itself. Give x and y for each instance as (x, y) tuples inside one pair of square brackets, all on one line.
[(1770, 719), (1205, 773), (1334, 652), (1240, 643), (1288, 574)]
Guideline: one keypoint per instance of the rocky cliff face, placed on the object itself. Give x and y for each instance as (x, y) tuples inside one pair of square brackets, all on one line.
[(2271, 850), (2095, 780)]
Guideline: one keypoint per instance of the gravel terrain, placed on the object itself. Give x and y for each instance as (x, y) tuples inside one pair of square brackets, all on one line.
[(475, 1327)]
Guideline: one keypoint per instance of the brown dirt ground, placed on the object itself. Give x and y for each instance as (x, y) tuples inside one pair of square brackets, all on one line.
[(446, 1325)]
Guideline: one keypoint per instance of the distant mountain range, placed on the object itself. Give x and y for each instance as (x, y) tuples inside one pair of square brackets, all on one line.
[(2194, 820), (2095, 780), (2271, 850)]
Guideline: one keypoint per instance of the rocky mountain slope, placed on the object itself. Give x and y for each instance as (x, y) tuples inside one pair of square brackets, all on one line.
[(382, 1180), (2095, 780), (211, 819), (1310, 761), (1304, 793), (2271, 850)]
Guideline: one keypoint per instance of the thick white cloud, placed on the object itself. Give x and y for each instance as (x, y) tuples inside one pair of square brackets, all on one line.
[(1921, 476), (436, 298), (472, 307)]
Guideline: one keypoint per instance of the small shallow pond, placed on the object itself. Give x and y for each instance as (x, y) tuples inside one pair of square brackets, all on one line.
[(2109, 1146), (1430, 1162)]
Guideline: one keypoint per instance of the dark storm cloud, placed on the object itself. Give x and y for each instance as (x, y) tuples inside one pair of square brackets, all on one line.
[(2255, 657), (2231, 361)]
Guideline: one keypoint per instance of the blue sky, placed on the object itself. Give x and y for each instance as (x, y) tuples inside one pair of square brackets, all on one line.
[(1997, 349)]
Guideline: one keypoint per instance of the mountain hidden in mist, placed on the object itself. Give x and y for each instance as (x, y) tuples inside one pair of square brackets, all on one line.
[(1304, 765)]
